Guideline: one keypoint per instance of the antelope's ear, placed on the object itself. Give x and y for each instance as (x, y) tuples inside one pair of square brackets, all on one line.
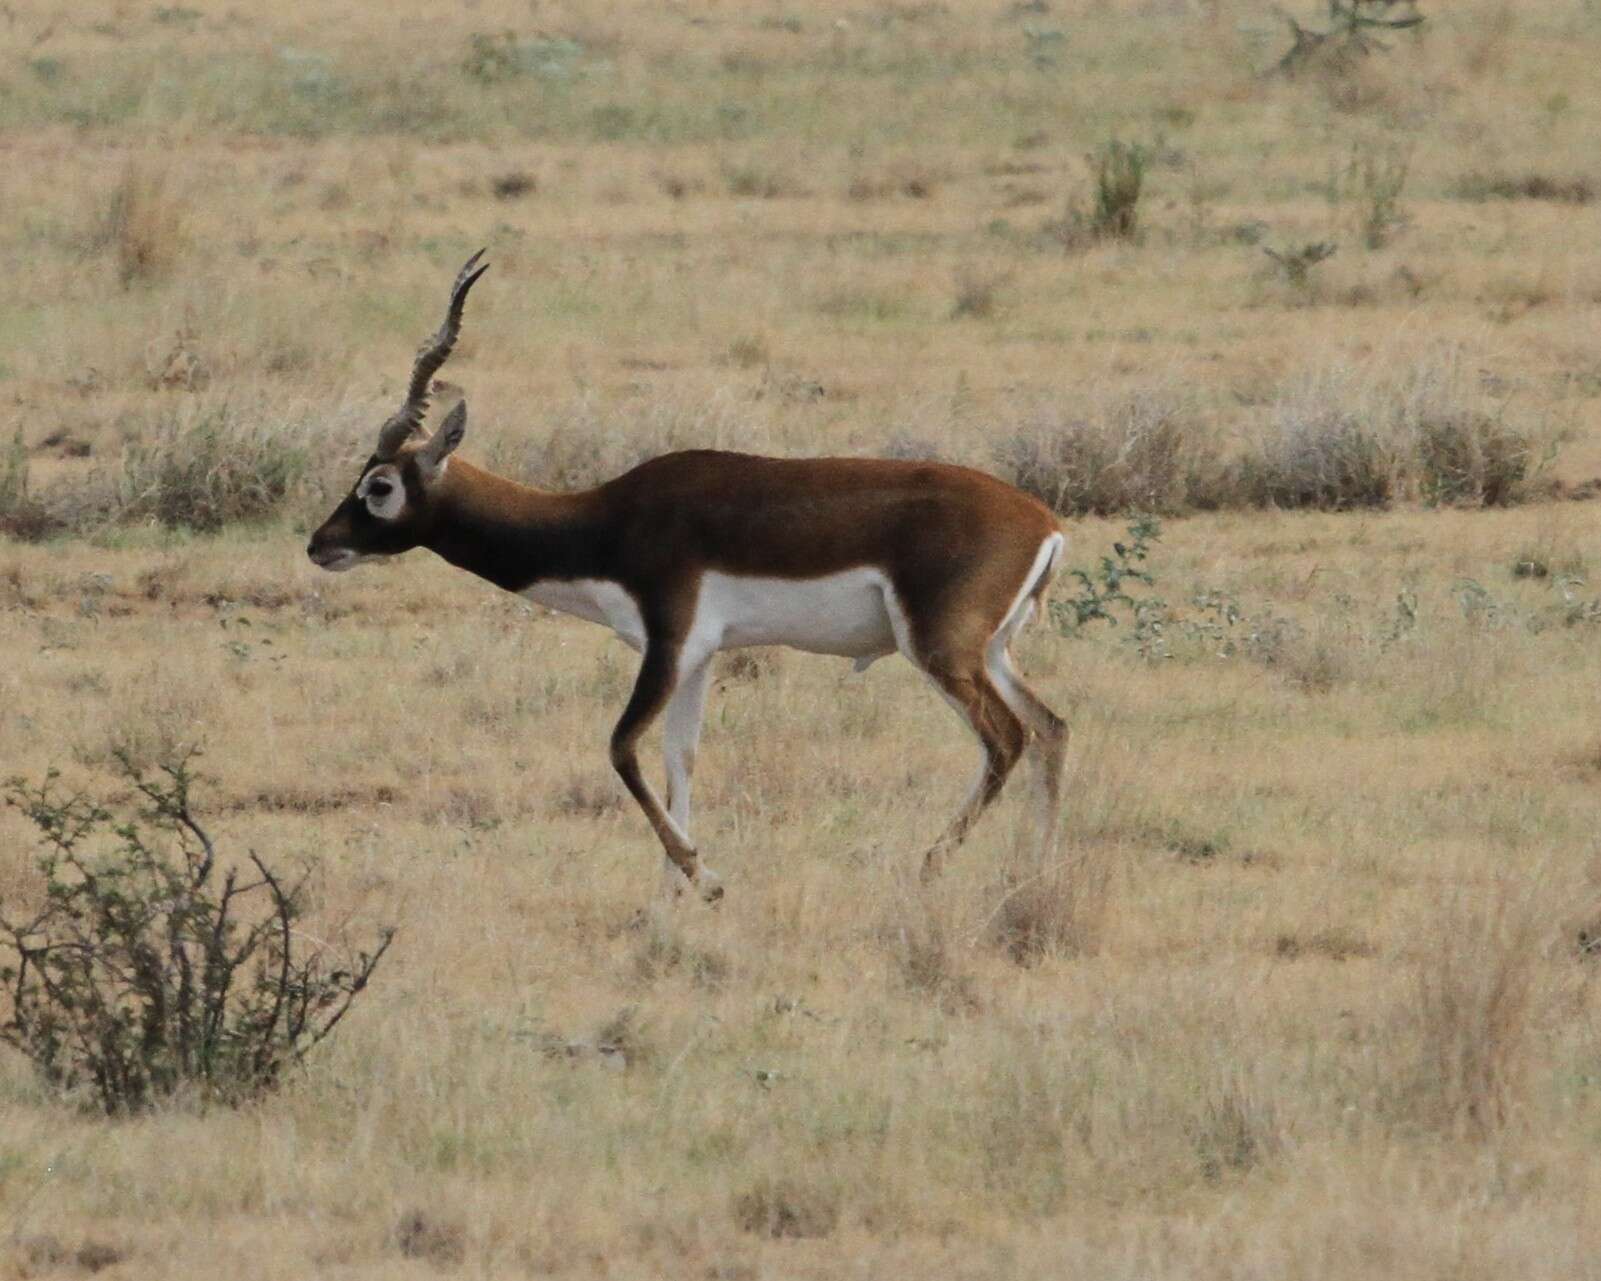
[(442, 443)]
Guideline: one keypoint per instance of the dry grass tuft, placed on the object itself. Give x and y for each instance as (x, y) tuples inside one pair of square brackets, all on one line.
[(212, 467), (420, 1234), (1567, 190), (1334, 444), (1056, 910), (142, 226), (1138, 453), (977, 292), (1476, 1002), (750, 351), (1330, 944), (1472, 458), (43, 1254), (589, 793), (668, 949), (923, 941), (910, 180), (22, 515), (787, 1208), (1236, 1131), (1315, 455), (513, 185), (97, 1256)]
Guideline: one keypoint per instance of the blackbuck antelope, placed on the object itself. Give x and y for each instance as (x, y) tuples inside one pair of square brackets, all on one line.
[(700, 551)]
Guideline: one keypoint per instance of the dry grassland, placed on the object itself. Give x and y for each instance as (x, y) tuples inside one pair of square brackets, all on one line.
[(1308, 989)]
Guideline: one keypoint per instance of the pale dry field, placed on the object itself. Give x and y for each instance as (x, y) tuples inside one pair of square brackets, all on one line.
[(1306, 995)]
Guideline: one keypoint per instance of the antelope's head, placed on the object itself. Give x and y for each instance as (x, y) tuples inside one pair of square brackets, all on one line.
[(390, 509)]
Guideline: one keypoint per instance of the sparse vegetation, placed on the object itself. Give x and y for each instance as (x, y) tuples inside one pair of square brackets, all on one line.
[(146, 969), (1296, 262), (1330, 443), (513, 185), (1102, 589), (785, 1207), (198, 468), (1473, 458), (1574, 190), (1307, 986), (22, 515), (1476, 996), (1350, 36), (1053, 905), (1117, 170), (977, 293), (142, 226), (496, 57), (1312, 457), (1374, 181), (211, 468), (1137, 454)]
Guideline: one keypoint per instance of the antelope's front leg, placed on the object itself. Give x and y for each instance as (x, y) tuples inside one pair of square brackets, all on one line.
[(652, 691), (686, 709)]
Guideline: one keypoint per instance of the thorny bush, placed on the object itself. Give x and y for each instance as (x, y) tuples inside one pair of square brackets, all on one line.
[(148, 970)]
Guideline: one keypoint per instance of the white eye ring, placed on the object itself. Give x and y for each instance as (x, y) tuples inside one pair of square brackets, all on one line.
[(384, 495)]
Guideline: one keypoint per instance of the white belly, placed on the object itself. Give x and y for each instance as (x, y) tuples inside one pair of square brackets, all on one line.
[(846, 613), (853, 614)]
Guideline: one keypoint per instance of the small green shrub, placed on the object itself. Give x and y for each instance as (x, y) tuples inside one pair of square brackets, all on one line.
[(146, 970), (1102, 588), (1119, 178), (22, 516), (1296, 263), (1373, 183), (1119, 174), (1339, 51), (14, 474)]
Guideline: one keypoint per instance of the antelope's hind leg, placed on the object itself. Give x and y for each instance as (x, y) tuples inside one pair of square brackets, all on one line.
[(1048, 736), (977, 677), (1000, 733)]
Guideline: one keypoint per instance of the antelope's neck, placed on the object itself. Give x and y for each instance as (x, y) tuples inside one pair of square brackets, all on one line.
[(512, 534)]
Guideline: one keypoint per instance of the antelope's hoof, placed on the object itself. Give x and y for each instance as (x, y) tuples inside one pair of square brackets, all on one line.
[(674, 883), (710, 886)]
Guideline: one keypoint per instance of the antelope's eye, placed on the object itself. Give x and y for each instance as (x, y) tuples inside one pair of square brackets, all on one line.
[(379, 489)]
